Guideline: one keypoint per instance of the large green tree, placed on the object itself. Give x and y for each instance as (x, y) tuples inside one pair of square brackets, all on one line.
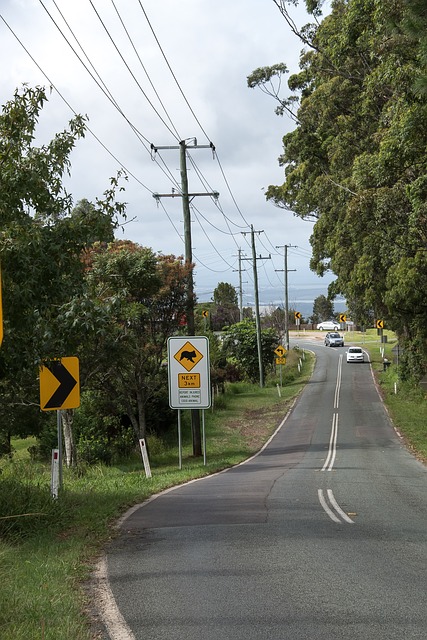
[(41, 243), (136, 300), (356, 161)]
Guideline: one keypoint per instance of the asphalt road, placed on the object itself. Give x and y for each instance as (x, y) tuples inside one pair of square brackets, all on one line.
[(322, 535)]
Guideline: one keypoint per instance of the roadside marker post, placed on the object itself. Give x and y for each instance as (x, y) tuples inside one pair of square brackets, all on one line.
[(54, 480)]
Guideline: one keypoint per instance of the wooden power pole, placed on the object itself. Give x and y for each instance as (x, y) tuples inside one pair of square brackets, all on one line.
[(186, 198)]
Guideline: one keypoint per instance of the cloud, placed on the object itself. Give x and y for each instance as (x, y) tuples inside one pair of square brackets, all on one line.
[(211, 46)]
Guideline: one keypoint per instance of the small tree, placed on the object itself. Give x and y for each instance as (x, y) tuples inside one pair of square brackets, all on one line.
[(323, 309), (137, 299), (226, 310), (240, 344)]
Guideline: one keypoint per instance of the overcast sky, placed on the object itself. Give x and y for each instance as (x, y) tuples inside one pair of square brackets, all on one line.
[(203, 50)]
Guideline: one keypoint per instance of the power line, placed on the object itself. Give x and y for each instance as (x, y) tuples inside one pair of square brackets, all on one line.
[(144, 69), (52, 84), (131, 72), (171, 70)]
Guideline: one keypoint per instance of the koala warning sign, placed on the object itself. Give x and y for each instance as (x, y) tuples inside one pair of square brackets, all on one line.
[(188, 356), (188, 372)]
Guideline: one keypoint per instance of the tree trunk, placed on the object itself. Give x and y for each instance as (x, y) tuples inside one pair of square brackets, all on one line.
[(69, 443)]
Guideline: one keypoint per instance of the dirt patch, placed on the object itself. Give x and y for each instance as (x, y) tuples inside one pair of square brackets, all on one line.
[(256, 425)]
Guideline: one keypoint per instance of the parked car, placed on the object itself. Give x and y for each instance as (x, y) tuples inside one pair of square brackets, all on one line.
[(355, 354), (334, 339), (328, 325)]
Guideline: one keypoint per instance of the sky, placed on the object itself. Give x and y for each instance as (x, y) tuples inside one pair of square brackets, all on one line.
[(154, 72)]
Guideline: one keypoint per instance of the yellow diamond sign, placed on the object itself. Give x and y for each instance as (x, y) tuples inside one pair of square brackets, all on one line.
[(280, 351), (188, 356)]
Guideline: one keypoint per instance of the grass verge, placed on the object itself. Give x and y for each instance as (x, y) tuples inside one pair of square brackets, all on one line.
[(407, 404), (48, 548)]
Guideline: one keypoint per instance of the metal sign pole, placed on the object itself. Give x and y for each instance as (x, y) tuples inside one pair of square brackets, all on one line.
[(59, 430), (179, 439), (204, 437)]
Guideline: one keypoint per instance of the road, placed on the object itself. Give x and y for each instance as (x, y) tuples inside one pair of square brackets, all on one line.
[(321, 536)]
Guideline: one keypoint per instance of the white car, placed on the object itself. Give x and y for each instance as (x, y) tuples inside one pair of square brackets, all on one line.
[(355, 354), (328, 325)]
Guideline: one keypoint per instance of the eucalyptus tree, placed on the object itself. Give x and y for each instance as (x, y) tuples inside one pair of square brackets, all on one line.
[(356, 164)]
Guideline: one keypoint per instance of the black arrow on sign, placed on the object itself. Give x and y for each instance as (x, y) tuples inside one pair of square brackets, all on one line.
[(67, 384)]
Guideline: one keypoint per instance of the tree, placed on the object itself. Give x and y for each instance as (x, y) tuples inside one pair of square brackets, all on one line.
[(356, 162), (240, 343), (225, 294), (226, 310), (41, 243), (137, 299), (323, 309)]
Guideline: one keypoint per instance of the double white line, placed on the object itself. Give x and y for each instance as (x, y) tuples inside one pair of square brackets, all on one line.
[(333, 509), (332, 451)]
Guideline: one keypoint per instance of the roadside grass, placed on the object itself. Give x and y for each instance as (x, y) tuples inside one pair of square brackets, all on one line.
[(48, 547), (407, 405)]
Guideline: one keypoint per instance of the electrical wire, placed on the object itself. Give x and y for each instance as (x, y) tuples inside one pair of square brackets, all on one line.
[(100, 83), (192, 112), (52, 84), (131, 72), (145, 70), (171, 71)]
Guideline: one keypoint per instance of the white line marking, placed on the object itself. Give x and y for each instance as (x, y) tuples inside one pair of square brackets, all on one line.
[(106, 605), (335, 505), (337, 508), (326, 507), (330, 458), (338, 385)]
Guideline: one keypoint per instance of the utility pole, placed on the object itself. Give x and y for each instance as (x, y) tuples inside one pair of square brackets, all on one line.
[(286, 270), (186, 198), (256, 296), (240, 286)]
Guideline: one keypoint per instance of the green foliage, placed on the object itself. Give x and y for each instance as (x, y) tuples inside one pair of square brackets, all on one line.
[(323, 309), (26, 506), (135, 300), (356, 161), (225, 294), (41, 243), (240, 343)]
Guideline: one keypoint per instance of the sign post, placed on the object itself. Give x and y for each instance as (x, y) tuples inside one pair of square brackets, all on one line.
[(59, 389), (189, 377), (281, 359)]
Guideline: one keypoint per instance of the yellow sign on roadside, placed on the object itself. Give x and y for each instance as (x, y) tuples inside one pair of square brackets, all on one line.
[(60, 384), (188, 356), (280, 351), (379, 324), (343, 317), (189, 380), (280, 360)]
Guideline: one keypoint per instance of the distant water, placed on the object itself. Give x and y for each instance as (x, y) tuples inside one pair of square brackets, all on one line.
[(305, 307)]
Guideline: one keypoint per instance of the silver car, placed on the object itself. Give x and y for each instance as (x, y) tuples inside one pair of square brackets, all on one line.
[(334, 339), (355, 354)]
